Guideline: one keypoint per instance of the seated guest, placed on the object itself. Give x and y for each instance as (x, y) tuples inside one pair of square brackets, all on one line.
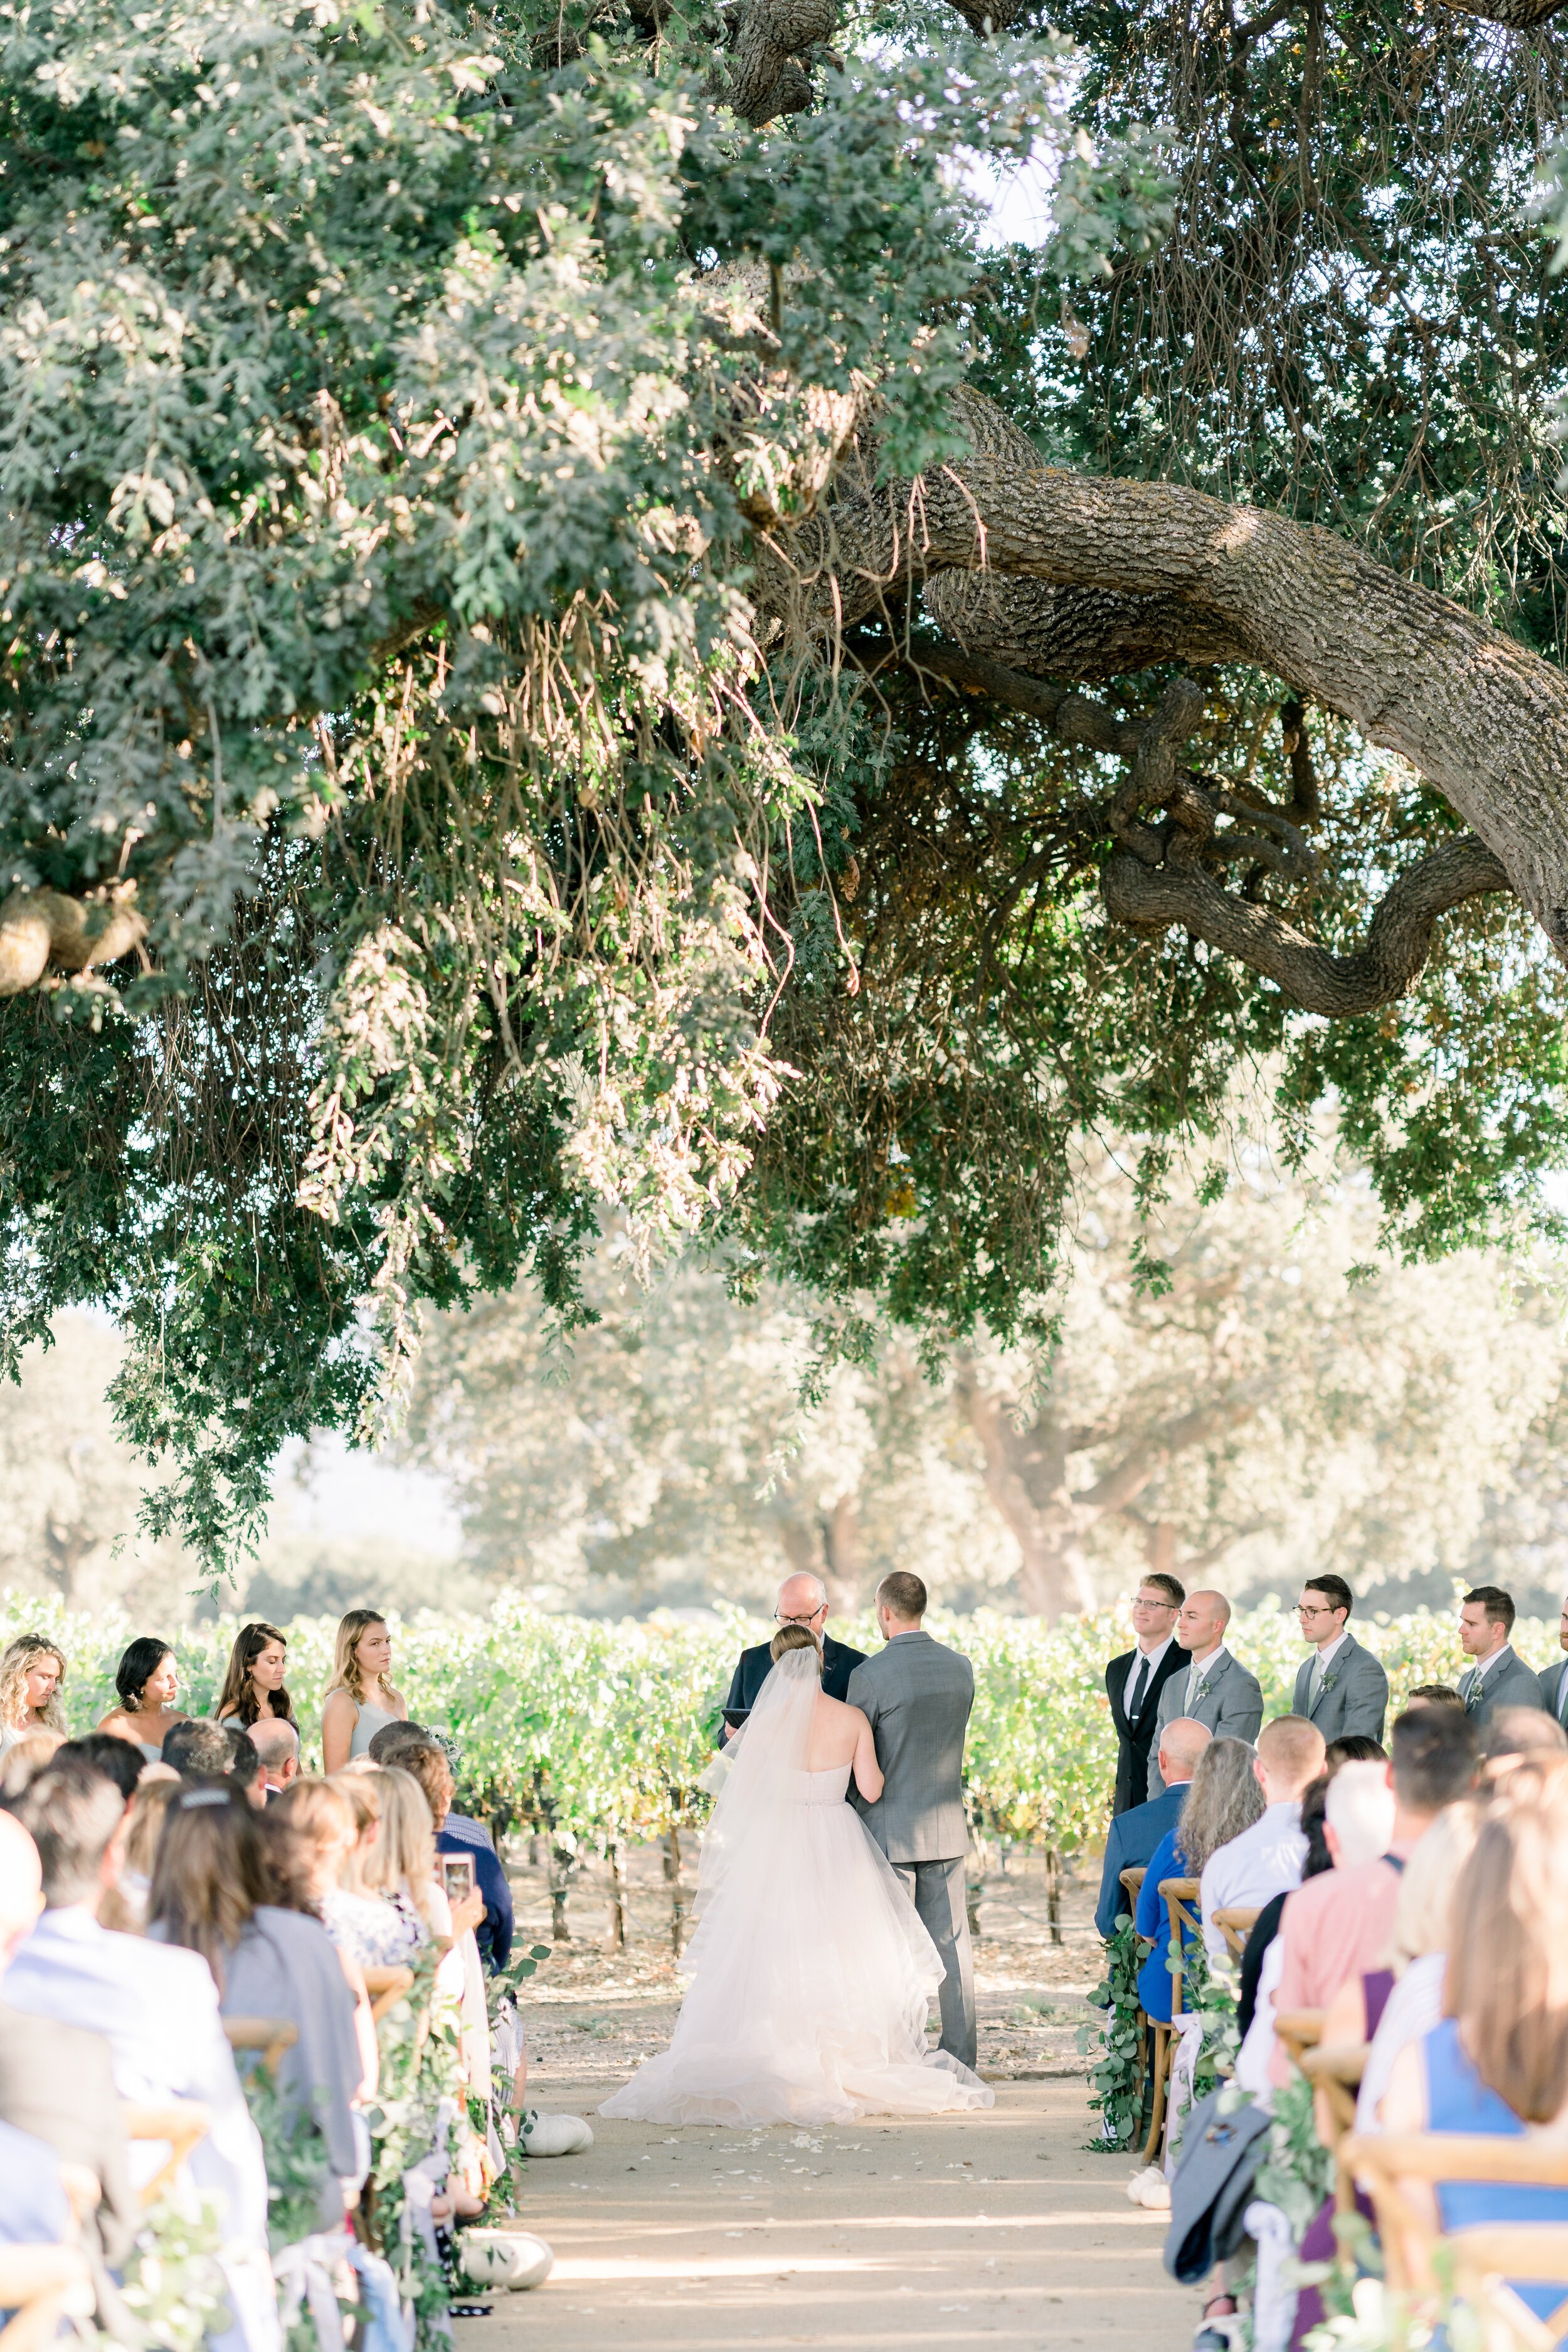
[(57, 2081), (116, 1759), (1435, 1695), (309, 1836), (124, 1907), (147, 1680), (212, 1894), (1513, 1732), (1355, 1747), (1336, 1928), (278, 1744), (1135, 1834), (455, 1833), (1496, 2063), (245, 1769), (1266, 1927), (1393, 2012), (401, 1869), (357, 1918), (25, 1759), (198, 1750), (158, 2010), (1222, 1798), (1266, 1859)]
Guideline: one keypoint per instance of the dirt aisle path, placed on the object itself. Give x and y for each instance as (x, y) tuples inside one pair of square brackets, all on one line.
[(995, 2228)]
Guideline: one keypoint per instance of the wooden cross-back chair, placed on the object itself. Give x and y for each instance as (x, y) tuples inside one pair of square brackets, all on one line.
[(1177, 1896), (1335, 2069), (1236, 1924), (1299, 2030), (181, 2122), (386, 1988), (271, 2036), (37, 2284), (1483, 2256)]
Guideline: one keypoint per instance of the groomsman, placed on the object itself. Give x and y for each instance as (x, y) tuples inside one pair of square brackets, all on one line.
[(1499, 1676), (1343, 1689), (1216, 1689), (1554, 1679), (1135, 1680)]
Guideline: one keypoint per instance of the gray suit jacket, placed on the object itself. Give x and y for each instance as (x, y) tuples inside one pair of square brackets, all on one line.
[(1508, 1683), (1232, 1710), (916, 1695), (1547, 1679), (1356, 1698)]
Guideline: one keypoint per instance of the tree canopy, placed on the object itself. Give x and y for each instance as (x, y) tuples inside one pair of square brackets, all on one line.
[(577, 633)]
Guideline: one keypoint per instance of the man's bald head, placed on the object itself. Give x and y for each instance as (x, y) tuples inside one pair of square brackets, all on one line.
[(1200, 1626), (1182, 1742), (802, 1600), (1291, 1752), (21, 1886)]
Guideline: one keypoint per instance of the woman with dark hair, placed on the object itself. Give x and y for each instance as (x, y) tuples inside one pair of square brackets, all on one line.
[(146, 1679), (253, 1687), (214, 1892)]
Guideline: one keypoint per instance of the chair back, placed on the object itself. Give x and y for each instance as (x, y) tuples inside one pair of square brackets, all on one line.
[(270, 2036), (182, 2122), (1236, 1922), (1384, 2162), (38, 2286), (386, 1988), (1132, 1880), (1299, 2030), (1179, 1896)]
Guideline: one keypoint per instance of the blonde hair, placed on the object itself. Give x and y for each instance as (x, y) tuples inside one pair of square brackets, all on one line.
[(26, 1759), (17, 1662), (318, 1813), (346, 1675), (1508, 1950), (404, 1854), (360, 1793), (794, 1637)]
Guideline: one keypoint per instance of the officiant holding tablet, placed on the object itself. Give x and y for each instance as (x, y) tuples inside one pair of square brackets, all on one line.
[(802, 1600)]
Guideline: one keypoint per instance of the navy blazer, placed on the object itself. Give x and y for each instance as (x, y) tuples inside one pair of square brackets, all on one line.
[(1134, 1835), (458, 1834), (754, 1666)]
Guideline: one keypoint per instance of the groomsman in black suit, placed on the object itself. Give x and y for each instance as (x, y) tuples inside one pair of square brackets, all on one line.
[(803, 1600), (1134, 1681)]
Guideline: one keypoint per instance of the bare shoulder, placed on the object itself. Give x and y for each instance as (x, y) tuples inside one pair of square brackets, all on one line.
[(336, 1701), (837, 1710)]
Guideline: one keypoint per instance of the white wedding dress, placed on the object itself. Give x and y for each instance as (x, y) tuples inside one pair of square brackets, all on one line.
[(811, 1975)]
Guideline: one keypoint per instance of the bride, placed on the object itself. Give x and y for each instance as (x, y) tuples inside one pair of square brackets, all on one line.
[(810, 1972)]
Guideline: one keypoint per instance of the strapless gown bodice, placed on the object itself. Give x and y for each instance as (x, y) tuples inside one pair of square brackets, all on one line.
[(821, 1787)]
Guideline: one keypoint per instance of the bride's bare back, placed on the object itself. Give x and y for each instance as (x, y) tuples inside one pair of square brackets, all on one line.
[(841, 1735)]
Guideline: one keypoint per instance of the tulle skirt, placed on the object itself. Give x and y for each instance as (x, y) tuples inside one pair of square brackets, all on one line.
[(811, 1979)]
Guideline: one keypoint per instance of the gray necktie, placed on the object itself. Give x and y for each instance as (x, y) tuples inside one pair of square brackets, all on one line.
[(1562, 1697)]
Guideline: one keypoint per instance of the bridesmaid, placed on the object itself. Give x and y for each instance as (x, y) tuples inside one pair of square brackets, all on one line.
[(360, 1700), (147, 1679), (31, 1673), (253, 1687)]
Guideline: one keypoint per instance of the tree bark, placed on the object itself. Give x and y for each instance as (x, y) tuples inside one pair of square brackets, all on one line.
[(1483, 719)]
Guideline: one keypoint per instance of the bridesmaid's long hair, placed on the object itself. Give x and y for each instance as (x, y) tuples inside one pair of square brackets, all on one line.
[(237, 1696), (346, 1675)]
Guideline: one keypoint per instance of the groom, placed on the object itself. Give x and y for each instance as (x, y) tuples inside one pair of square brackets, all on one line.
[(916, 1696)]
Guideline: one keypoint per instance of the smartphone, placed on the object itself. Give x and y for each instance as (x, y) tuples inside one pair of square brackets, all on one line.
[(458, 1876)]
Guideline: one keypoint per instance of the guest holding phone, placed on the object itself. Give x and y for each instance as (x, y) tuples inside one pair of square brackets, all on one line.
[(455, 1832)]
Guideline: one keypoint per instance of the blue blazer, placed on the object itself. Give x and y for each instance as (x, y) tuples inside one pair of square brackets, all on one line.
[(1154, 1986), (1134, 1835)]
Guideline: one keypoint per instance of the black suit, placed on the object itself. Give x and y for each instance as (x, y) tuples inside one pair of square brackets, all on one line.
[(1134, 1740), (754, 1666)]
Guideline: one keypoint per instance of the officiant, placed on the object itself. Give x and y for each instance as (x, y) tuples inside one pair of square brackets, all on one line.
[(802, 1600)]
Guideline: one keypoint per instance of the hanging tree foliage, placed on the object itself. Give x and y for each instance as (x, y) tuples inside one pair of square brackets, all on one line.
[(574, 632)]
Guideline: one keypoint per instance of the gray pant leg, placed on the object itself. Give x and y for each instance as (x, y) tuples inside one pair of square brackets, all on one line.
[(937, 1892)]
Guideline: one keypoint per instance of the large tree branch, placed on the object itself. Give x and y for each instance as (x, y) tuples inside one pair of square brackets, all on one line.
[(1519, 16), (1482, 718)]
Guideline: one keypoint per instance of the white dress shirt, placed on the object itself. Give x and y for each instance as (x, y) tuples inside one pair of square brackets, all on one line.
[(1481, 1667), (1154, 1658), (1324, 1658), (157, 2008), (1265, 1861), (1562, 1691)]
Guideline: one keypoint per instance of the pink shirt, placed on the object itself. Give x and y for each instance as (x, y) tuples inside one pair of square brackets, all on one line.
[(1336, 1926)]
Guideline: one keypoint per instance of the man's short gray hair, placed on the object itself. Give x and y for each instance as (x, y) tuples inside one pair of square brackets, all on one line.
[(274, 1740)]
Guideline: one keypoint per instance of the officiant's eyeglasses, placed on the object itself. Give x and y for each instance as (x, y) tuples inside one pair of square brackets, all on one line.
[(800, 1620)]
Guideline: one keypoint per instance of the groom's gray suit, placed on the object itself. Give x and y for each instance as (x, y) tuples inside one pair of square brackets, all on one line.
[(916, 1696)]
